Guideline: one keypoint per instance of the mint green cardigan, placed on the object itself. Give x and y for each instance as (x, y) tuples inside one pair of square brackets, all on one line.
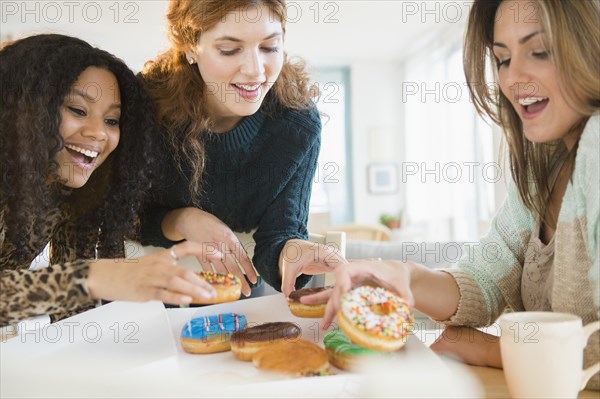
[(489, 276)]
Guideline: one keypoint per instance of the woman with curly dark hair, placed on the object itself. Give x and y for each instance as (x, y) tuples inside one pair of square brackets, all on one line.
[(77, 154), (244, 138)]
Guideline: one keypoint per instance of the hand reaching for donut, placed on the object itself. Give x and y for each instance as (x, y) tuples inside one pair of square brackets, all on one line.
[(221, 246), (433, 292), (392, 275), (305, 257), (152, 277)]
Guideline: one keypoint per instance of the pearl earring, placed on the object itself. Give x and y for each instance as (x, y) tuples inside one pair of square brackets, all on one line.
[(191, 61)]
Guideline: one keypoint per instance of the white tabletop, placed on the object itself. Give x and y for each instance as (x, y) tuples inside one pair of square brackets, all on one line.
[(132, 350)]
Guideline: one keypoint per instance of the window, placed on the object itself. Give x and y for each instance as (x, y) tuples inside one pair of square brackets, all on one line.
[(332, 184), (449, 169)]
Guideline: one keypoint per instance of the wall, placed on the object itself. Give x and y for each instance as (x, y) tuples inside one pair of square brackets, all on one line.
[(376, 110)]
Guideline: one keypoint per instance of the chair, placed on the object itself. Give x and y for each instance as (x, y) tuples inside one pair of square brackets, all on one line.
[(375, 232), (336, 239)]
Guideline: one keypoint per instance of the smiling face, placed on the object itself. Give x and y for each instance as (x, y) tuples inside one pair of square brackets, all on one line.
[(239, 58), (528, 77), (89, 125)]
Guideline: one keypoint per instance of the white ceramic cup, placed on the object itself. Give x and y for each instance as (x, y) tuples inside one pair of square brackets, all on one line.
[(542, 354)]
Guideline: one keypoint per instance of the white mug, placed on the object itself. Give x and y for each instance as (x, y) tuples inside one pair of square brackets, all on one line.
[(542, 354)]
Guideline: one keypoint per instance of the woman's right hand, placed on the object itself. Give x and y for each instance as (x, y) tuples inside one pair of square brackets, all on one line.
[(151, 277), (221, 247), (390, 274)]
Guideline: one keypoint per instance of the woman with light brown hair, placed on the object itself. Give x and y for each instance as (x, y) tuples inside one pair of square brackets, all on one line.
[(542, 252), (242, 138)]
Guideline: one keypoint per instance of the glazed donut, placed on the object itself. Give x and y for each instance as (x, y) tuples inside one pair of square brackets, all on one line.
[(227, 286), (375, 318), (302, 310), (300, 358), (345, 355), (245, 343), (210, 334)]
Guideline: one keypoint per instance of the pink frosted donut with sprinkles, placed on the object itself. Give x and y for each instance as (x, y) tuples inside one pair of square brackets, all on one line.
[(375, 318)]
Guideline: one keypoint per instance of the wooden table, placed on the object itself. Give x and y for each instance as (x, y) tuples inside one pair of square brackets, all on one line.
[(494, 383)]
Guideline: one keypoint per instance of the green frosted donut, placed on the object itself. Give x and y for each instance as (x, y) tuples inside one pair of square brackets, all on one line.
[(340, 343)]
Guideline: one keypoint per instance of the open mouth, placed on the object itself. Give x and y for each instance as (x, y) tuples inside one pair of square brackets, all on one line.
[(82, 155), (248, 91), (531, 106)]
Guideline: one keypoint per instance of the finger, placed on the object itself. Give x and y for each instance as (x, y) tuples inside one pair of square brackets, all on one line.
[(246, 290), (316, 299), (207, 267), (166, 258), (220, 266), (288, 279), (226, 264), (343, 284), (180, 286), (229, 261), (198, 284), (367, 259), (243, 261), (173, 298), (249, 271), (332, 307), (333, 257)]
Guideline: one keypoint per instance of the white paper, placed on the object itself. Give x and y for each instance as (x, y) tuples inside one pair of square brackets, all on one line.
[(155, 365)]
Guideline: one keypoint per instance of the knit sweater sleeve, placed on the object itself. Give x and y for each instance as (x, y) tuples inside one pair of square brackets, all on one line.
[(586, 184), (151, 227), (286, 217), (489, 274)]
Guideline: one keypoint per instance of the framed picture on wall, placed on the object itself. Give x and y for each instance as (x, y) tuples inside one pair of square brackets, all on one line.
[(382, 178)]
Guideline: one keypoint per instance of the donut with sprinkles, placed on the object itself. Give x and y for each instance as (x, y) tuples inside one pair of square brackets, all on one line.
[(375, 318), (210, 334), (228, 288)]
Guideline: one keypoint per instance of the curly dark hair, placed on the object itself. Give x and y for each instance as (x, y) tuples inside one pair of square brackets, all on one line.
[(36, 75)]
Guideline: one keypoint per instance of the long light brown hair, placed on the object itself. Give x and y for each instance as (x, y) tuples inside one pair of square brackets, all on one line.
[(574, 40), (179, 92)]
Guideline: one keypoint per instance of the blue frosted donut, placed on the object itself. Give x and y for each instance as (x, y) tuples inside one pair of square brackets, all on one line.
[(208, 334)]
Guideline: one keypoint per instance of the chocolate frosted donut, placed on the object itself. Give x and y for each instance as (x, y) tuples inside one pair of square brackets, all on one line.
[(302, 310), (245, 343)]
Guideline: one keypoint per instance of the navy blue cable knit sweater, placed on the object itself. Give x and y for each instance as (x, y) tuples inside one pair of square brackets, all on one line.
[(257, 176)]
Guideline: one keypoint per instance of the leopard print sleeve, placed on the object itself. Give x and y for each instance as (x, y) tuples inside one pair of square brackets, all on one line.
[(59, 289)]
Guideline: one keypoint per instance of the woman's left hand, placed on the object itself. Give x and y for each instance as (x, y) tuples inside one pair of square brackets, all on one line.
[(304, 257), (470, 346)]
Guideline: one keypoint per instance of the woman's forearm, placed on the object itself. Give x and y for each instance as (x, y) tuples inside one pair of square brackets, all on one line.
[(436, 293)]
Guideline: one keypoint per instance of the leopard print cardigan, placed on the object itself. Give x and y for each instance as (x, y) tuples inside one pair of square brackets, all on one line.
[(59, 290)]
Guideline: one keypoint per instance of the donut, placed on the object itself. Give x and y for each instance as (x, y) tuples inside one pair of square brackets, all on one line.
[(300, 358), (227, 286), (302, 310), (343, 354), (245, 343), (210, 334), (375, 318)]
